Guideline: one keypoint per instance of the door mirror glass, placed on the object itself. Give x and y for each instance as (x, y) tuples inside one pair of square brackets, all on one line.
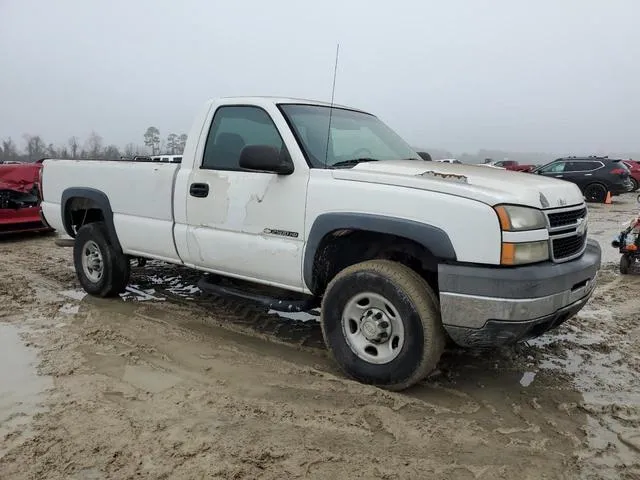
[(265, 158)]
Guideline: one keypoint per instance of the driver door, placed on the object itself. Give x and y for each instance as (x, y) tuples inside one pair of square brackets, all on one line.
[(241, 223)]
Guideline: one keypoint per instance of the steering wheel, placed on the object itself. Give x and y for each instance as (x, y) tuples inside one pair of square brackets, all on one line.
[(362, 153)]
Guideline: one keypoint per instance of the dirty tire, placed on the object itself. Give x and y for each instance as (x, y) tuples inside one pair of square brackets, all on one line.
[(595, 192), (116, 268), (625, 264), (634, 184), (417, 304)]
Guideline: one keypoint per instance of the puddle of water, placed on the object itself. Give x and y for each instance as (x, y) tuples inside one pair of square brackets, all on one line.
[(74, 294), (21, 388), (134, 293), (527, 378), (69, 309), (312, 316)]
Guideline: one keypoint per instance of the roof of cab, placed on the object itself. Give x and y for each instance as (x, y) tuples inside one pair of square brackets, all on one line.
[(262, 99)]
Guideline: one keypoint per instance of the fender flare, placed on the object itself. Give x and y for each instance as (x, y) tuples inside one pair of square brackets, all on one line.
[(433, 238), (100, 199)]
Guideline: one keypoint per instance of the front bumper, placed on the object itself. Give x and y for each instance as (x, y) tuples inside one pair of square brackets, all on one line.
[(485, 306)]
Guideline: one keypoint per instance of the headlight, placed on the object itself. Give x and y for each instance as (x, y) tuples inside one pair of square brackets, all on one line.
[(515, 219), (523, 253)]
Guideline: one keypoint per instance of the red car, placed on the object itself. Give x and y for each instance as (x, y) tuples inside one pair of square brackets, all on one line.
[(20, 198), (513, 165), (634, 169)]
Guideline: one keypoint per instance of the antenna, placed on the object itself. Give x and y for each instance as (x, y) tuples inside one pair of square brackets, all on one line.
[(333, 92)]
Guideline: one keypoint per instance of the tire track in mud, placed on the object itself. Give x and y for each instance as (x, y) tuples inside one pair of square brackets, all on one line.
[(238, 314)]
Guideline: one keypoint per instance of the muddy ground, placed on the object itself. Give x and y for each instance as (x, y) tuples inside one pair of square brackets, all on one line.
[(167, 382)]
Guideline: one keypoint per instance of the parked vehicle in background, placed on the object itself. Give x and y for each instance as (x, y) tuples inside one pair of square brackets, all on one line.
[(594, 175), (167, 158), (511, 165), (398, 252), (634, 172), (20, 198)]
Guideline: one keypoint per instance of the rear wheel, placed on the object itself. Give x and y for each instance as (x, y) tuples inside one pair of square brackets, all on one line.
[(381, 322), (596, 192), (102, 269), (625, 264)]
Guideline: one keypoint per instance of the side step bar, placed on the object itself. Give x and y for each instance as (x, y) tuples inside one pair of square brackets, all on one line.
[(303, 303)]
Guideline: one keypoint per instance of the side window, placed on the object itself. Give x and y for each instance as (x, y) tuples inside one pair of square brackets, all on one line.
[(232, 129), (556, 167), (499, 164), (583, 166)]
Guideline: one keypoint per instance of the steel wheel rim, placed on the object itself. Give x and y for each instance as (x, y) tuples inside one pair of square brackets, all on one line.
[(373, 328), (92, 262)]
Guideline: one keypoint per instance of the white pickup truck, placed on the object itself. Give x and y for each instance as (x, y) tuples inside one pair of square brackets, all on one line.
[(324, 203)]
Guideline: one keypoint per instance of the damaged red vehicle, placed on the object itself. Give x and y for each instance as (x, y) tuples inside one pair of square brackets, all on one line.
[(20, 198)]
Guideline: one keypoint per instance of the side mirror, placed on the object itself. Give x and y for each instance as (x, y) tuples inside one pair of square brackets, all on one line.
[(265, 158)]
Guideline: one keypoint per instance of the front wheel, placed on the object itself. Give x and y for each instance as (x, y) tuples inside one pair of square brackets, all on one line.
[(634, 184), (102, 269), (625, 264), (381, 322), (595, 192)]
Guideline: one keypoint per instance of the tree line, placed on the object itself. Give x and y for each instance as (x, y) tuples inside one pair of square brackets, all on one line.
[(35, 148)]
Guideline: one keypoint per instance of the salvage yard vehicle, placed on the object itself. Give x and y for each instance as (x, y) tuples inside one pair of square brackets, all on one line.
[(20, 198), (298, 203), (511, 165), (594, 175)]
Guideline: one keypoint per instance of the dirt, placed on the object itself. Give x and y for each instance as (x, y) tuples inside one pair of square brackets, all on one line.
[(167, 382)]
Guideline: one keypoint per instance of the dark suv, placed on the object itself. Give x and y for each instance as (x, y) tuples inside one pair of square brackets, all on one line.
[(594, 175)]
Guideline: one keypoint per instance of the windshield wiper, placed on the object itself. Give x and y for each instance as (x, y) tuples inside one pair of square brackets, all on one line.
[(353, 162)]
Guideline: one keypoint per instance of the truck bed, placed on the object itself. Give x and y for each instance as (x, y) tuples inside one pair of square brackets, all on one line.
[(140, 195)]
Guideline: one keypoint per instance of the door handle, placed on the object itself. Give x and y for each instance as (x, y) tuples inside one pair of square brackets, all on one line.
[(199, 190)]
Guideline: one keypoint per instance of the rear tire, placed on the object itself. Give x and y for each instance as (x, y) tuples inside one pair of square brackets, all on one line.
[(102, 269), (595, 192), (625, 264), (381, 322)]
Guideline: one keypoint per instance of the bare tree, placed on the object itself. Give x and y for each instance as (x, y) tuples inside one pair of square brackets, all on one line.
[(73, 145), (130, 150), (111, 153), (36, 148), (94, 145), (9, 150), (152, 139)]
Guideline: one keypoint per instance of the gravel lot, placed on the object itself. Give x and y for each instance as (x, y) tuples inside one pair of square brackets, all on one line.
[(169, 383)]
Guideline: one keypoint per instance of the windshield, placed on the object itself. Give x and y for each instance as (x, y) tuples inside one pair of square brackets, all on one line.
[(354, 136)]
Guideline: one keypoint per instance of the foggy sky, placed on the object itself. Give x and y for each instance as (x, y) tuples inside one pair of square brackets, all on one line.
[(529, 75)]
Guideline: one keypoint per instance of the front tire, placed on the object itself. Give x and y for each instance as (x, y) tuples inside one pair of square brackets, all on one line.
[(596, 193), (102, 269), (625, 264), (381, 322), (634, 184)]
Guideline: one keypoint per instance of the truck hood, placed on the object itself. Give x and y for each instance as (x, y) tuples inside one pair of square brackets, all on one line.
[(488, 185)]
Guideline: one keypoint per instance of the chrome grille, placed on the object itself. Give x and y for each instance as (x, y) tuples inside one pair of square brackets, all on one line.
[(570, 217), (567, 232)]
